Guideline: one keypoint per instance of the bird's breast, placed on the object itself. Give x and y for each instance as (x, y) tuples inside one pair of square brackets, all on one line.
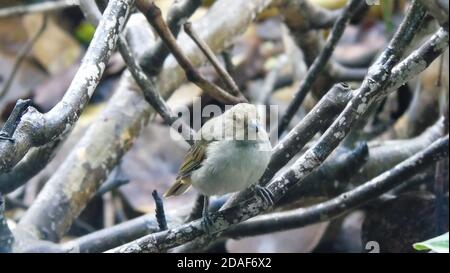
[(231, 166)]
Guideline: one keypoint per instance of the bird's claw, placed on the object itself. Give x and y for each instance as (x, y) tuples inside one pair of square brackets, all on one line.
[(265, 195), (207, 224), (5, 137)]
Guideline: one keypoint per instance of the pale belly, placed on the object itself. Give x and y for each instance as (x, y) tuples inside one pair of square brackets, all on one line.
[(230, 167)]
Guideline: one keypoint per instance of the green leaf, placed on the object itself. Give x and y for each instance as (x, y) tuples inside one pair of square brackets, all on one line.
[(438, 244), (388, 9), (84, 32)]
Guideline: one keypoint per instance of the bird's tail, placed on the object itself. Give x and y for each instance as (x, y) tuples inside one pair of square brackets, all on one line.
[(179, 187)]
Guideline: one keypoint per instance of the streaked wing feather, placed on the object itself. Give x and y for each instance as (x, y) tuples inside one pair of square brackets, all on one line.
[(192, 161)]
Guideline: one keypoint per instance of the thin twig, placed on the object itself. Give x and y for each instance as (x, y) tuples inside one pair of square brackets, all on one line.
[(153, 15), (122, 120), (153, 59), (116, 179), (151, 95), (38, 129), (36, 8), (318, 65), (21, 56), (10, 126), (270, 80), (373, 88), (159, 211), (438, 12), (227, 59), (213, 59), (146, 84)]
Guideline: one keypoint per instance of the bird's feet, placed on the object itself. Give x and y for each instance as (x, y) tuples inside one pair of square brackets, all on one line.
[(207, 224), (265, 194), (5, 137)]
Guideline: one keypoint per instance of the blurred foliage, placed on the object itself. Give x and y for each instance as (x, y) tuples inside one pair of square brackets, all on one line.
[(388, 9), (438, 244), (84, 32)]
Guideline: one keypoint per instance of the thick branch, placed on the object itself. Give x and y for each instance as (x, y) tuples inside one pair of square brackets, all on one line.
[(113, 132), (108, 238), (313, 122), (348, 201), (372, 89), (37, 129), (29, 166), (145, 83)]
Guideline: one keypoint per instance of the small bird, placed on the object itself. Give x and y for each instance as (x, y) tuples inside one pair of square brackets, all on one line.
[(230, 154)]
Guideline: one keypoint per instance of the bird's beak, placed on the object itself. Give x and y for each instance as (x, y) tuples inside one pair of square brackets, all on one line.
[(254, 124)]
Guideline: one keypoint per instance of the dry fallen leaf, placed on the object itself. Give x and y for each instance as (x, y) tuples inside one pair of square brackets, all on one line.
[(55, 50)]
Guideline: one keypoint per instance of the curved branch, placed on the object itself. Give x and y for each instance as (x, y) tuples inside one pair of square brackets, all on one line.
[(29, 166), (154, 17), (111, 135), (411, 66), (36, 129), (108, 238), (345, 202), (145, 83), (373, 88)]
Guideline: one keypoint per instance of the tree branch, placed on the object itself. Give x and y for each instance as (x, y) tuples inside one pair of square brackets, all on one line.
[(321, 115), (318, 65), (38, 7), (349, 169), (320, 212), (113, 132), (6, 237), (438, 11), (299, 16), (29, 166), (345, 202), (153, 59), (234, 89), (145, 83), (108, 238), (373, 88), (153, 15), (14, 118), (37, 129)]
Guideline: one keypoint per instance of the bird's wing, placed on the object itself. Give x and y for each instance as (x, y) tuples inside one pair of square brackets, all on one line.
[(192, 161)]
